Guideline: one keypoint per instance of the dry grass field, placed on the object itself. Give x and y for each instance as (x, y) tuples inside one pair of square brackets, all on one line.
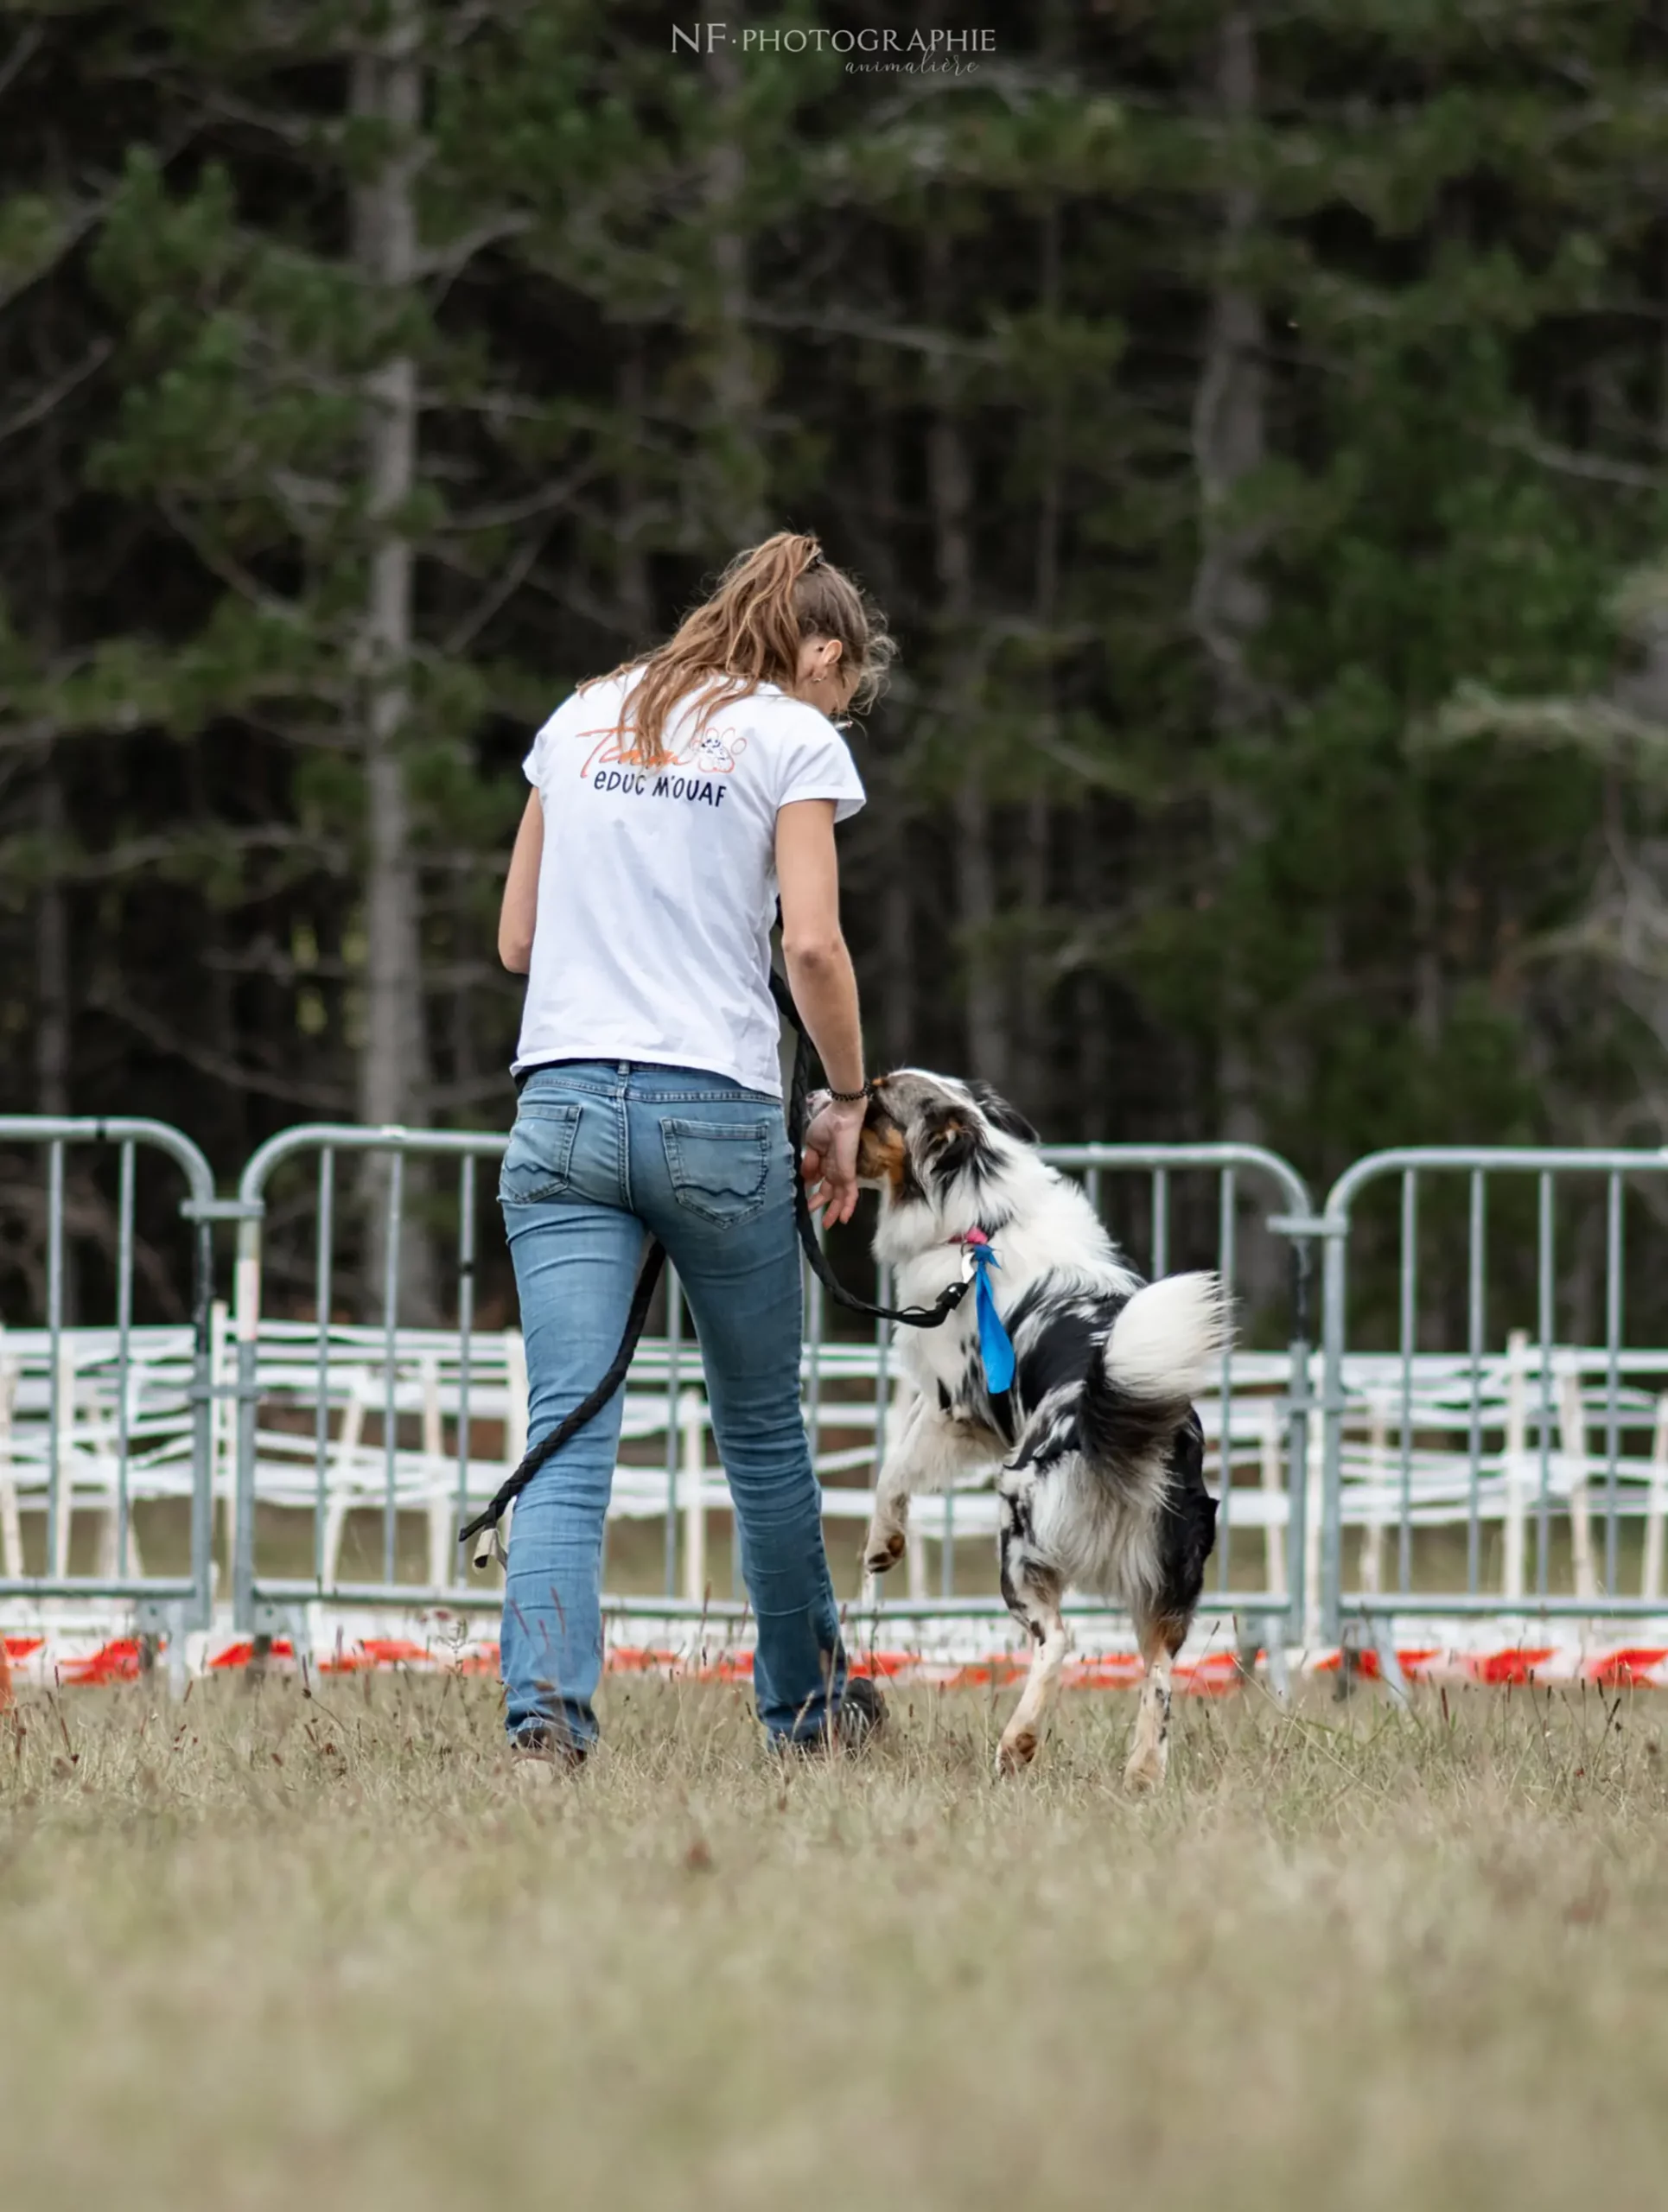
[(273, 1949)]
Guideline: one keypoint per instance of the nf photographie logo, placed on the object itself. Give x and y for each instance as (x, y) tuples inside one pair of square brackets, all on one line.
[(939, 51)]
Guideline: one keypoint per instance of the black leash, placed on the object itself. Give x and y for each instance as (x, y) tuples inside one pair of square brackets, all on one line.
[(485, 1525), (799, 1093)]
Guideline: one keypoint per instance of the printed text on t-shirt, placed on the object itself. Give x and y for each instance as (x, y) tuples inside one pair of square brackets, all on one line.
[(665, 786)]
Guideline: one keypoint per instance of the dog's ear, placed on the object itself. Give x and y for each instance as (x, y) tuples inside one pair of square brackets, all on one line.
[(950, 1142), (1001, 1115)]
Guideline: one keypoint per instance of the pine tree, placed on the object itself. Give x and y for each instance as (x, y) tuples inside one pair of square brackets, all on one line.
[(1212, 393), (280, 378)]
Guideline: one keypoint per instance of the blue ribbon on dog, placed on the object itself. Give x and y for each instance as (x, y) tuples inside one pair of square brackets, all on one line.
[(996, 1346)]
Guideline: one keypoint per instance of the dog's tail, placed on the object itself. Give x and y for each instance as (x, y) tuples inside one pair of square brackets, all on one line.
[(1162, 1349)]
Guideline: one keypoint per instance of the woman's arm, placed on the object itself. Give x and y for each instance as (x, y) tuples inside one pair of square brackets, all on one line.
[(520, 907), (820, 972), (825, 989)]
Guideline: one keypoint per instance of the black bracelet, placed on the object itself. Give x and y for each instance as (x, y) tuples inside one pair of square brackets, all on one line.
[(851, 1097)]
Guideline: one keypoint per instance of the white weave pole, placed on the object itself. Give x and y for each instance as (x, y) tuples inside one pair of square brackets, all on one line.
[(1312, 1531), (339, 1493), (442, 1539), (1274, 1529), (1516, 1456), (1372, 1536), (222, 1419), (1650, 1586), (1572, 1441), (11, 1526), (67, 1397), (103, 1438)]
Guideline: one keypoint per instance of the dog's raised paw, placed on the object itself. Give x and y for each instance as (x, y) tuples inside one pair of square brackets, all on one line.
[(884, 1552), (1015, 1753)]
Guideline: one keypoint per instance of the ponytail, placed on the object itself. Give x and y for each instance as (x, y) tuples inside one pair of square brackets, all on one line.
[(769, 599)]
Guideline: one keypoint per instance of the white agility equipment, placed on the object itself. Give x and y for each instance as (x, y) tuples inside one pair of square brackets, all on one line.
[(1406, 1464), (219, 1485)]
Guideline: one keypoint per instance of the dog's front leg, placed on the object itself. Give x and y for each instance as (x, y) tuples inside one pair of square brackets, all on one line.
[(888, 1527), (932, 1451)]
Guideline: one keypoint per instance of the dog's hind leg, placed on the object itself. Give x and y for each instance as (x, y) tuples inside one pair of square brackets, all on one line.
[(1033, 1597), (1160, 1637), (1163, 1609)]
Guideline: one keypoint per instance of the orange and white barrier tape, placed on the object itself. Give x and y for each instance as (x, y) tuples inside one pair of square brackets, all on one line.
[(50, 1657)]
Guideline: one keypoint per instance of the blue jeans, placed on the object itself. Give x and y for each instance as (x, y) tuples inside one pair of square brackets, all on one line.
[(601, 1153)]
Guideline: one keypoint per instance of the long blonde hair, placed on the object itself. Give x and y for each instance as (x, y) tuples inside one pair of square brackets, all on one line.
[(770, 600)]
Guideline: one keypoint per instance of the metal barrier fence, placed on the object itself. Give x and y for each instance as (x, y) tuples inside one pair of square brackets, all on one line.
[(1472, 1467), (395, 1374), (1525, 1416), (91, 1461), (265, 1605)]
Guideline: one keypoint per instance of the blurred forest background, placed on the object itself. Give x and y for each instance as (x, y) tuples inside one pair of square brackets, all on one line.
[(1254, 419)]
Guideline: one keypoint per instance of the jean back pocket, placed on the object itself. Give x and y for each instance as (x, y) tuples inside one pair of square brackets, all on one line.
[(538, 1160), (719, 1170)]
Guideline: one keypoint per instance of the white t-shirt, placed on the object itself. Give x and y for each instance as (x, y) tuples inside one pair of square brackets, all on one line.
[(657, 891)]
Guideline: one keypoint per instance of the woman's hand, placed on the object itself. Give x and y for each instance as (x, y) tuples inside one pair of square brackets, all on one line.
[(829, 1161)]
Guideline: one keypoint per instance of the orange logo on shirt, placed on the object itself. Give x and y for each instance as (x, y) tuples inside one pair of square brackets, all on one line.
[(713, 752)]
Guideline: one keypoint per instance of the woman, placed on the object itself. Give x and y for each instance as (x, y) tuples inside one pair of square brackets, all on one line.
[(672, 801)]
